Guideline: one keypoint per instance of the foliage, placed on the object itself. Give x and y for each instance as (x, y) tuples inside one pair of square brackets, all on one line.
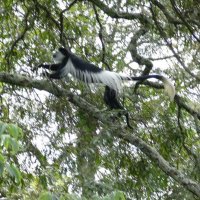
[(10, 174), (71, 146)]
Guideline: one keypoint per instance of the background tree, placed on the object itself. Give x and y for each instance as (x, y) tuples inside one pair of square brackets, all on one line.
[(72, 147)]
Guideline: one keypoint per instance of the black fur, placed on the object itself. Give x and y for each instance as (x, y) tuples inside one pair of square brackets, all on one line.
[(84, 65), (110, 98)]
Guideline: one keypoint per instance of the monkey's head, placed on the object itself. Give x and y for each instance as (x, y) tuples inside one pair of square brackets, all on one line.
[(60, 55)]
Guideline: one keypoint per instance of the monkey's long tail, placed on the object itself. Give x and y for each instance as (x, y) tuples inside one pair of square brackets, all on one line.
[(168, 86)]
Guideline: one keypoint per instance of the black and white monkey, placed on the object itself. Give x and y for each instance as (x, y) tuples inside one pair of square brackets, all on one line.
[(68, 63)]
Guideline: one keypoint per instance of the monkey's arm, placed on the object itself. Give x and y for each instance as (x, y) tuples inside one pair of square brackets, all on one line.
[(53, 67), (55, 75)]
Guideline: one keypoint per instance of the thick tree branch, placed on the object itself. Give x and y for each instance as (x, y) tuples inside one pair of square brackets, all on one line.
[(134, 53), (151, 152), (23, 81), (138, 58), (120, 15)]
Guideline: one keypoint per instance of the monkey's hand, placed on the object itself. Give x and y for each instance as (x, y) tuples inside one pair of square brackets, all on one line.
[(45, 74), (40, 65), (37, 67)]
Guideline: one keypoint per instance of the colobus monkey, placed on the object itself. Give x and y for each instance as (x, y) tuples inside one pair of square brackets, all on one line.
[(67, 62)]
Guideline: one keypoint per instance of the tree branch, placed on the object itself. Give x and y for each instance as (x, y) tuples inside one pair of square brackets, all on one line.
[(134, 53), (165, 166), (101, 39), (184, 20), (166, 13), (23, 81), (169, 44), (120, 15)]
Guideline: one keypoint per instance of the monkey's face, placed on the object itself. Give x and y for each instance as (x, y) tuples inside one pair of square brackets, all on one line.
[(58, 57)]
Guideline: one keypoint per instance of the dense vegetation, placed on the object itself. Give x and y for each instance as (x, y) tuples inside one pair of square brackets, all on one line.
[(57, 138)]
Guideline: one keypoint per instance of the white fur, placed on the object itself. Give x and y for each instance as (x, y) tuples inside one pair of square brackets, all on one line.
[(111, 79), (58, 57), (68, 68), (169, 88)]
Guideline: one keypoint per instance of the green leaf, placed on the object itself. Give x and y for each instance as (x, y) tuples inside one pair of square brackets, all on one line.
[(10, 143), (116, 195), (14, 145), (47, 196), (43, 181), (2, 164), (3, 127), (15, 173), (13, 130), (2, 158), (6, 141), (119, 196)]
